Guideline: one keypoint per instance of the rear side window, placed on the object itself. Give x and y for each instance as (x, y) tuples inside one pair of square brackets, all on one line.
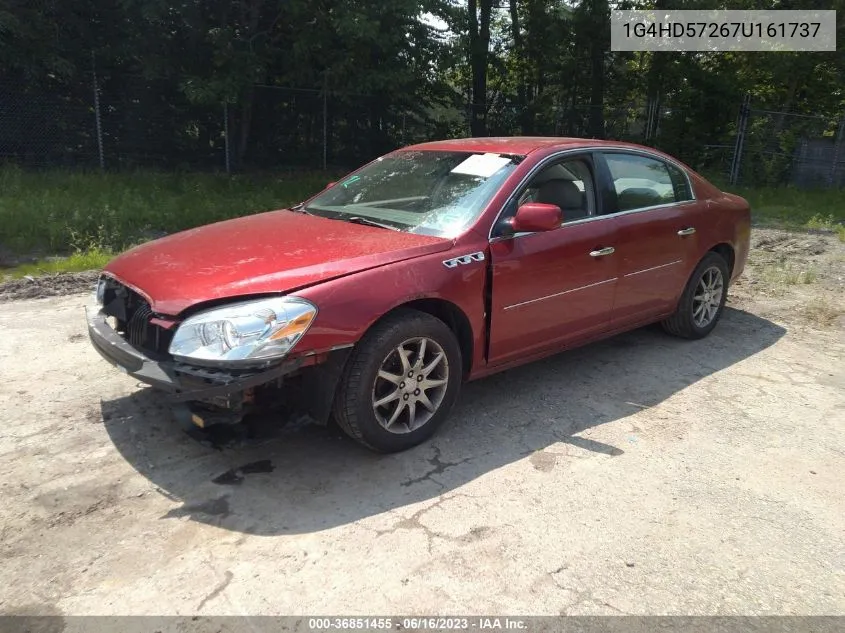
[(642, 182)]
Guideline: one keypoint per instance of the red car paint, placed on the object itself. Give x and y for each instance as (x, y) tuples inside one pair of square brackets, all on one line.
[(528, 298), (273, 252)]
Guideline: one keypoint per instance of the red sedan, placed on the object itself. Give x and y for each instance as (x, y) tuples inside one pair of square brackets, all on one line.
[(372, 302)]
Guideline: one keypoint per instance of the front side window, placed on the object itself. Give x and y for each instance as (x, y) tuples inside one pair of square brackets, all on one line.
[(437, 193), (568, 185), (642, 182)]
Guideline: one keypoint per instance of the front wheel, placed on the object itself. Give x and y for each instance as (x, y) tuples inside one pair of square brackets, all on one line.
[(703, 300), (400, 382)]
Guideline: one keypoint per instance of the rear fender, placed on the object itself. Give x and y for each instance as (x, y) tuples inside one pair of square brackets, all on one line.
[(734, 228)]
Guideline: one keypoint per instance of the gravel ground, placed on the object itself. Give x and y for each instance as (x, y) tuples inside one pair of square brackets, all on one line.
[(57, 285), (641, 475), (796, 277)]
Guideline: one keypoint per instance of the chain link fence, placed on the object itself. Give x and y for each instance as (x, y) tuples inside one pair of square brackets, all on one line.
[(773, 147), (115, 121), (42, 125), (628, 121)]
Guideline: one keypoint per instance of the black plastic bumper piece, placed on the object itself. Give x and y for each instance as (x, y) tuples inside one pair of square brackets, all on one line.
[(182, 382)]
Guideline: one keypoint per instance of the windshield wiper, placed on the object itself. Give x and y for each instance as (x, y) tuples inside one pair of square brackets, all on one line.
[(357, 219), (300, 208)]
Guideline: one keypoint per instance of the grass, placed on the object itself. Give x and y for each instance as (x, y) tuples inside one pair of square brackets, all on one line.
[(89, 216), (791, 208), (92, 259), (788, 274), (63, 212)]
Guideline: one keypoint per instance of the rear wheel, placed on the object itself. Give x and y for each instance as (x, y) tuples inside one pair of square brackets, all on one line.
[(703, 300), (400, 382)]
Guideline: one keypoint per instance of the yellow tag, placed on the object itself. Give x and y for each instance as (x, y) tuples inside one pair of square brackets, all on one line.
[(197, 420)]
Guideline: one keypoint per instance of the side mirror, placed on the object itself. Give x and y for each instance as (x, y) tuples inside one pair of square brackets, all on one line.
[(536, 216), (330, 185)]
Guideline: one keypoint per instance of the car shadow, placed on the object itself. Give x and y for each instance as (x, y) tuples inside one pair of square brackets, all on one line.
[(302, 478)]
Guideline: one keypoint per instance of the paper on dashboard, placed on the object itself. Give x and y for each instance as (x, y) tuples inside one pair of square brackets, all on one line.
[(481, 165)]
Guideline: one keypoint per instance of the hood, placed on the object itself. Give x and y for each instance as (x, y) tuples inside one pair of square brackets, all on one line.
[(278, 251)]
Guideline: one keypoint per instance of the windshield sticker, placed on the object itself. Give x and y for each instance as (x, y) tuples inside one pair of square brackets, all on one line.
[(349, 181), (482, 165)]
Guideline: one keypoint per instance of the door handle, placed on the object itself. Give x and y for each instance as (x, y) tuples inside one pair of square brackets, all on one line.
[(688, 231), (609, 250)]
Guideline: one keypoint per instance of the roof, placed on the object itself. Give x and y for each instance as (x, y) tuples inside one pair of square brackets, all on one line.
[(512, 144)]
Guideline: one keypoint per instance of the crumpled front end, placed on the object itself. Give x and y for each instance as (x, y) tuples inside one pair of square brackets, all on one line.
[(129, 335)]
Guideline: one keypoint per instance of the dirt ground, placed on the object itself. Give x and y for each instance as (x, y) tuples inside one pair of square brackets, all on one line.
[(57, 285), (641, 475)]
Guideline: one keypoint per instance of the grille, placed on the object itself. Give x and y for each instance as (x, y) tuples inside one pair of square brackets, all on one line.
[(133, 314), (139, 323)]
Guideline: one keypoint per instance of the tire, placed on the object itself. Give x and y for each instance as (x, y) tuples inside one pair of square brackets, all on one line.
[(688, 321), (376, 372)]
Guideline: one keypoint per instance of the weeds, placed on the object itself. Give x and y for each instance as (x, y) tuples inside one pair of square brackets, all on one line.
[(822, 312), (791, 208), (788, 274), (77, 262), (89, 216), (63, 212)]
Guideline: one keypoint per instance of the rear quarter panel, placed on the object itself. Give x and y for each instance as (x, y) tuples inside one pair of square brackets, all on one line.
[(737, 211), (730, 222), (719, 218)]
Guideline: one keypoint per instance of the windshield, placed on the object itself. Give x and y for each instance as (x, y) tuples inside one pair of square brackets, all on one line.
[(429, 192)]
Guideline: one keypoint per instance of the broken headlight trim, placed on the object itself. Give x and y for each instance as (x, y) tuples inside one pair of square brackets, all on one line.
[(100, 291), (243, 333)]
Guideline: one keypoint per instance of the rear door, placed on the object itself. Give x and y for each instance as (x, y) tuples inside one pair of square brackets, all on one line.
[(554, 287), (654, 211)]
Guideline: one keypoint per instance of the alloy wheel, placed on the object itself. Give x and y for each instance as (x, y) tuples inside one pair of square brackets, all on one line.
[(708, 297), (410, 385)]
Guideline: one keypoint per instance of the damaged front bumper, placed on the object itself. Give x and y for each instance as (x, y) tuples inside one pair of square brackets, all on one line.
[(223, 389)]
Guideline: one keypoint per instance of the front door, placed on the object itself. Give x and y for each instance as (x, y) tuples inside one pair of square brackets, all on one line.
[(555, 287)]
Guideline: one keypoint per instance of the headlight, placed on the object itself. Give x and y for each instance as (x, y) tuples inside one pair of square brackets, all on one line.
[(240, 333)]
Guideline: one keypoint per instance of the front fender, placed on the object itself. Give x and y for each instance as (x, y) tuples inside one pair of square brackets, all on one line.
[(349, 306)]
